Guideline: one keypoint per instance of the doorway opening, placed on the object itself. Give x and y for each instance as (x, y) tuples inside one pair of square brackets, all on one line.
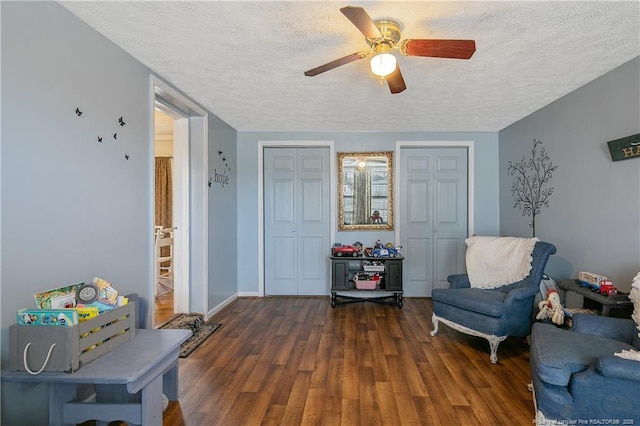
[(165, 124), (179, 270)]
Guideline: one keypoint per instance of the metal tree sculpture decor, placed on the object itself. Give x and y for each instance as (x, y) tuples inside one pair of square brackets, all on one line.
[(528, 188)]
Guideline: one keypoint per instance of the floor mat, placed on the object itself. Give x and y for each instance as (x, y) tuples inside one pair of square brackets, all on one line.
[(194, 322)]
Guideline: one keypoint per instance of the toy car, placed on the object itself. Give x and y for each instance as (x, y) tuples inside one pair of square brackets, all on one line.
[(597, 283), (607, 288), (385, 252), (340, 250)]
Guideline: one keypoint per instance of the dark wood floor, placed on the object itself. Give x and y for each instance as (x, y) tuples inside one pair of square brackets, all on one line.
[(295, 360)]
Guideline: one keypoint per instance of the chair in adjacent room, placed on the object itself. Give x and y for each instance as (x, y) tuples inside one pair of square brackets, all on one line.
[(163, 253), (493, 313)]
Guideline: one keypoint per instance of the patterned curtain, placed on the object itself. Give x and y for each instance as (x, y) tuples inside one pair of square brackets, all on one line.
[(362, 196), (164, 193)]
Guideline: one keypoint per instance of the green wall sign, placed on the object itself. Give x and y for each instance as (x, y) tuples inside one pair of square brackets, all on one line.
[(624, 148)]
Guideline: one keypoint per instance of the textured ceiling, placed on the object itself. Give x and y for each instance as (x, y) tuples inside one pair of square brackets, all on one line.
[(245, 61)]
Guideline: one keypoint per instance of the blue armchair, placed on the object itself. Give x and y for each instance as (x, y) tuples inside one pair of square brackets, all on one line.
[(493, 314), (577, 379)]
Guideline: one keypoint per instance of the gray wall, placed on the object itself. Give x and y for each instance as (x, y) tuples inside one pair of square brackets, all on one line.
[(74, 208), (486, 188), (593, 217), (223, 239)]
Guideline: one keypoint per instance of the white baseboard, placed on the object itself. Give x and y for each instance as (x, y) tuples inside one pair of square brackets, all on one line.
[(220, 306), (249, 294)]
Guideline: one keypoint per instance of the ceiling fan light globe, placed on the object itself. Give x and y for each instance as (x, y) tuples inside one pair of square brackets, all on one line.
[(383, 64)]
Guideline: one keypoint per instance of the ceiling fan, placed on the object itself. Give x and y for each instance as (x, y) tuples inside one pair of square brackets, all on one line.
[(382, 35)]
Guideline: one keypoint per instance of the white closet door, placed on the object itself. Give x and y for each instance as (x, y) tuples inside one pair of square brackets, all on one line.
[(433, 216), (297, 222)]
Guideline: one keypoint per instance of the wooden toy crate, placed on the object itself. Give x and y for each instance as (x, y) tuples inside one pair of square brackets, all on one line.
[(74, 346)]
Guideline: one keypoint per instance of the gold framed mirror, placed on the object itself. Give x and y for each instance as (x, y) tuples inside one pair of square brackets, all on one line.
[(365, 191)]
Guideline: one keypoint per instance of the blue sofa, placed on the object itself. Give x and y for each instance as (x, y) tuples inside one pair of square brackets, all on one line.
[(492, 314), (577, 379)]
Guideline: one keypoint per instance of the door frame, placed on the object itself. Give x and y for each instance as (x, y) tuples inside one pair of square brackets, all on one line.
[(191, 293), (436, 144), (332, 184)]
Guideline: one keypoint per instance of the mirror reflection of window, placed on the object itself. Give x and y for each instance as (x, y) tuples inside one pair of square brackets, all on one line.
[(365, 200)]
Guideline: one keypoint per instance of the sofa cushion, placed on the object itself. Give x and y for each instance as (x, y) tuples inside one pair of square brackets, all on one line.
[(486, 302), (557, 353)]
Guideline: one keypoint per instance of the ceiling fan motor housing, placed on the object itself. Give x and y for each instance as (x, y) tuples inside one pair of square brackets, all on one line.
[(390, 30)]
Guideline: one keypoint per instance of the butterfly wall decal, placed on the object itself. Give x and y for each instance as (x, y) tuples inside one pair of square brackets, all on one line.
[(78, 112)]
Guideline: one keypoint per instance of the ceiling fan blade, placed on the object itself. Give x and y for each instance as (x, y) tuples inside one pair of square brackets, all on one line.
[(396, 81), (361, 19), (336, 63), (456, 49)]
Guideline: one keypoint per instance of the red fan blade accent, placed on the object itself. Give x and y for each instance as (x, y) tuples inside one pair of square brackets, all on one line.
[(457, 49), (396, 81), (361, 19), (334, 64)]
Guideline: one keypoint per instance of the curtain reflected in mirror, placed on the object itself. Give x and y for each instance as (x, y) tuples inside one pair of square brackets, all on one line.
[(365, 198)]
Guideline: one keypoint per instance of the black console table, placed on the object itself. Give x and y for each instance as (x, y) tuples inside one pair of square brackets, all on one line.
[(343, 286), (619, 302)]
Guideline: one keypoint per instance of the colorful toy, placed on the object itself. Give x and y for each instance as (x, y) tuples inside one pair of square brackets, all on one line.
[(98, 293), (551, 308), (598, 283), (341, 250), (385, 251)]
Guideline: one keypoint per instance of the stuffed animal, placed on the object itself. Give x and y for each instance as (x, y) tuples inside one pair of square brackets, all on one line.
[(551, 308)]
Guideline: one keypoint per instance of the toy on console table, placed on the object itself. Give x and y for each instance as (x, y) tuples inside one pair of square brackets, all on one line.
[(340, 250), (551, 308), (597, 283), (388, 250)]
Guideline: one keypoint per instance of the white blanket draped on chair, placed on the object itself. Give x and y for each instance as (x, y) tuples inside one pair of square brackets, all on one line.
[(496, 261)]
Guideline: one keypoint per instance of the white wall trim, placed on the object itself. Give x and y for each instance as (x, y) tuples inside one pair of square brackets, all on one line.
[(220, 306), (250, 294), (200, 203), (469, 145), (181, 213), (332, 170)]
